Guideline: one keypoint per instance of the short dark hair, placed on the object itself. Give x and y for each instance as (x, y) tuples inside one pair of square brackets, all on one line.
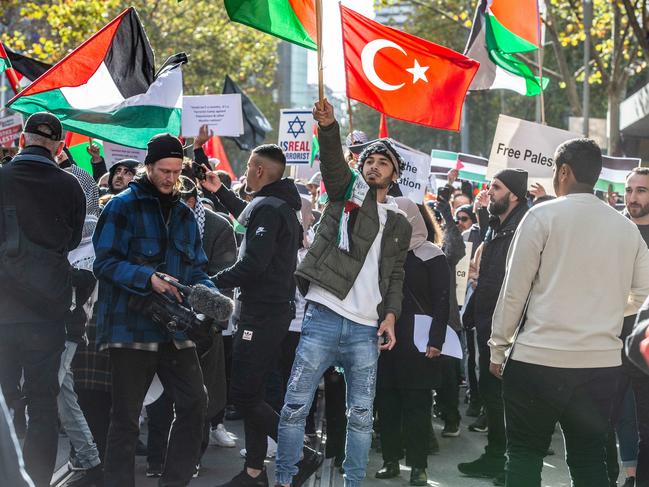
[(641, 171), (272, 152), (584, 158), (225, 178)]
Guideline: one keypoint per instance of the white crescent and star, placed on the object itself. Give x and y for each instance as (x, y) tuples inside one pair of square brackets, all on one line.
[(367, 62)]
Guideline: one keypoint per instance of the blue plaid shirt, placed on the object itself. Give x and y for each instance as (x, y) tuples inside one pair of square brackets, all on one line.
[(132, 242)]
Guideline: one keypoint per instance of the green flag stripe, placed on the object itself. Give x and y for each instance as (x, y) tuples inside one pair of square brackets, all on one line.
[(505, 40), (442, 154), (275, 17), (4, 64), (131, 126)]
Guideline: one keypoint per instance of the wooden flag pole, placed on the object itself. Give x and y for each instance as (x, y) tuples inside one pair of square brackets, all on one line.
[(318, 15), (349, 113), (539, 54)]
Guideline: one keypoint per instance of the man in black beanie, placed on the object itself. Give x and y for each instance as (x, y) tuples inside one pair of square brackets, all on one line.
[(143, 232), (507, 206), (120, 174)]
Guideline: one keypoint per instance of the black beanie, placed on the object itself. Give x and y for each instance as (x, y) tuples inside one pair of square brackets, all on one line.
[(130, 164), (161, 146), (515, 180)]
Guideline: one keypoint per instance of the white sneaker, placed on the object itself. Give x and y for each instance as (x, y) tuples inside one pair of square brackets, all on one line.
[(271, 451), (220, 437)]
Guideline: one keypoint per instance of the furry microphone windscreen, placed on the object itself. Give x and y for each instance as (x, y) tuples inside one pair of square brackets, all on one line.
[(210, 302)]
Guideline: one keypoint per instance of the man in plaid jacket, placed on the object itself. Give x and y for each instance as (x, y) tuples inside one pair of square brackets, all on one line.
[(144, 230)]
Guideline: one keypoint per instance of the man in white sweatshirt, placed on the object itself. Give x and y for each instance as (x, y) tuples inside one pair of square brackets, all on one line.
[(583, 267)]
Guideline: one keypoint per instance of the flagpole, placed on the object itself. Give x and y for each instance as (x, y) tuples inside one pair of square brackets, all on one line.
[(318, 16), (539, 54), (349, 113)]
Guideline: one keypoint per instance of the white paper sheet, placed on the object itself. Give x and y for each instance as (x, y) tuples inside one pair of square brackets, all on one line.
[(452, 346)]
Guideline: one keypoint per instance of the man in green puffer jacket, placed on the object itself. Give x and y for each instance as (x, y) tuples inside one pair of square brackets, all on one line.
[(352, 278)]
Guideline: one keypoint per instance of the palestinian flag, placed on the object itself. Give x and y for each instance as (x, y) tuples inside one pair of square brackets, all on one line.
[(291, 20), (614, 173), (107, 87), (4, 59), (315, 145), (470, 168), (25, 69), (501, 29), (78, 144)]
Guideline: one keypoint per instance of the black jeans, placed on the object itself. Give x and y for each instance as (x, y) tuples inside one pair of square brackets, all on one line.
[(580, 400), (181, 377), (33, 350), (96, 409), (160, 415), (255, 354), (472, 376), (448, 393), (491, 395), (404, 419)]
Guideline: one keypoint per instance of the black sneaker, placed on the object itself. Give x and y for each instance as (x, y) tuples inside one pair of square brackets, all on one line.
[(245, 480), (92, 477), (484, 467), (479, 425), (451, 430), (307, 466), (418, 476), (154, 470)]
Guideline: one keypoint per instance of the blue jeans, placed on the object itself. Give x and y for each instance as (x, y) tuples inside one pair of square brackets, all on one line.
[(329, 339), (72, 418)]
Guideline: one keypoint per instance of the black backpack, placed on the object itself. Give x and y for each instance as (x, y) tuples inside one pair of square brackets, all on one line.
[(38, 277)]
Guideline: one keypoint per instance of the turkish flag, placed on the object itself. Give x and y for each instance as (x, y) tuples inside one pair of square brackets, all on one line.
[(214, 148), (404, 76), (383, 127)]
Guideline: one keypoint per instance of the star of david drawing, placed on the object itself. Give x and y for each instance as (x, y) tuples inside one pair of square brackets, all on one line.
[(296, 121)]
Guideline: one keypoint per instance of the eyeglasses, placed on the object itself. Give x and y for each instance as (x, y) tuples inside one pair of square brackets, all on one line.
[(462, 219)]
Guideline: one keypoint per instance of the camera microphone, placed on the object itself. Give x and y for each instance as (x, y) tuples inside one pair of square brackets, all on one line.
[(204, 300)]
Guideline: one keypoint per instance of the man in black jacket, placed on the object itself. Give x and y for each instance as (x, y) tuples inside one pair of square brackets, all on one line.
[(51, 208), (507, 206), (264, 274)]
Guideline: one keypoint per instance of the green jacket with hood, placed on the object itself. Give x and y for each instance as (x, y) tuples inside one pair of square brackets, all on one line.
[(336, 270)]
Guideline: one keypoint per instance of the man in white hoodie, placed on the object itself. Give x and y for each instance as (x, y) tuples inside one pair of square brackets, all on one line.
[(574, 269)]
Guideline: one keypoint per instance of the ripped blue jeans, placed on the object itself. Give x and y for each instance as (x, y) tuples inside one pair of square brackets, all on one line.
[(328, 340)]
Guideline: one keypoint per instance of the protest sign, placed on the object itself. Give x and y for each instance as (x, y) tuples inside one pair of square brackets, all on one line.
[(10, 128), (462, 274), (415, 171), (114, 153), (295, 135), (222, 114), (526, 145)]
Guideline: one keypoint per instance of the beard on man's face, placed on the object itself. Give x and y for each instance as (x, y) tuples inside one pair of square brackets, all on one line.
[(498, 207), (636, 210)]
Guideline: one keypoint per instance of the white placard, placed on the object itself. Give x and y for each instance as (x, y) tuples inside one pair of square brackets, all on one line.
[(115, 152), (10, 128), (526, 145), (222, 114), (462, 274), (451, 347), (295, 135), (414, 175)]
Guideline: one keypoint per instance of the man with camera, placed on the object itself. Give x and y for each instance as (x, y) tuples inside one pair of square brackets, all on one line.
[(147, 240), (43, 210)]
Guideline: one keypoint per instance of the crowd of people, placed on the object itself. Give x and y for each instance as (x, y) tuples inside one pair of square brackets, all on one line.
[(240, 298)]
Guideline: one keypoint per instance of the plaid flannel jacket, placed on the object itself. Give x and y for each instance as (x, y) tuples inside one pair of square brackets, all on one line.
[(132, 242)]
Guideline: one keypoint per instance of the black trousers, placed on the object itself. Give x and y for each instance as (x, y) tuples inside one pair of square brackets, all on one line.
[(448, 393), (33, 351), (181, 377), (255, 353), (641, 393), (96, 409), (580, 400), (160, 415), (491, 395), (472, 376), (227, 351), (404, 419)]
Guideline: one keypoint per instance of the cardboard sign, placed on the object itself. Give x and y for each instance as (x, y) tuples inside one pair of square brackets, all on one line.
[(462, 274), (222, 114), (115, 152), (10, 128), (526, 145), (295, 135)]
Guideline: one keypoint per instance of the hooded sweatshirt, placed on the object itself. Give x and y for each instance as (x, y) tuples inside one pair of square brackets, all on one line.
[(268, 255)]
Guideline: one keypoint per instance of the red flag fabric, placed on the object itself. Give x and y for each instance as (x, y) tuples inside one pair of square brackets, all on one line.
[(404, 76), (214, 148), (383, 127)]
